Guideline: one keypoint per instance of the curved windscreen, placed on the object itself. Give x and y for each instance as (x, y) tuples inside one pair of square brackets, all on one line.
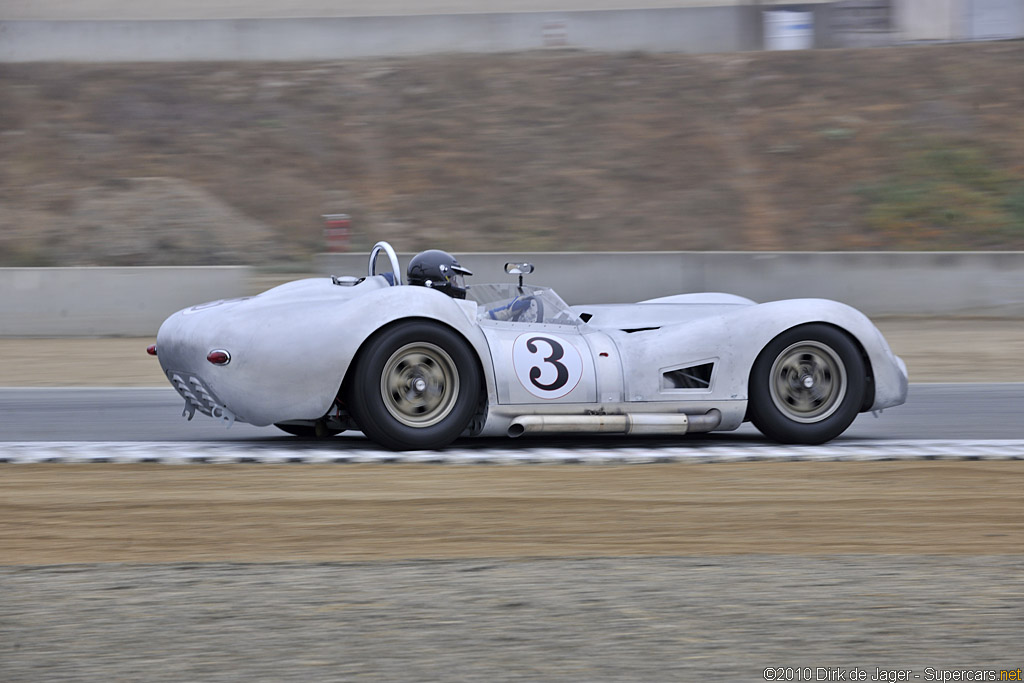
[(523, 304)]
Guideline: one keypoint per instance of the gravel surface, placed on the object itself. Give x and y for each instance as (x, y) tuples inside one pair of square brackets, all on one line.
[(664, 619)]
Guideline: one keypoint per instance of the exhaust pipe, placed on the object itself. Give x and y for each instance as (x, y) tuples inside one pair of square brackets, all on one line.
[(629, 423)]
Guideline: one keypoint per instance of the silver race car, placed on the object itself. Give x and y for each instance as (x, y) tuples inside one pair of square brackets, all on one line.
[(416, 365)]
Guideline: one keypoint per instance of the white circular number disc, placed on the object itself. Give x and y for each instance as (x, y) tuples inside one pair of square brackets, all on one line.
[(546, 365)]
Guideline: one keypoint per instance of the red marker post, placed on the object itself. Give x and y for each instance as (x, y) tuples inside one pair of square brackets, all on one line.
[(337, 232)]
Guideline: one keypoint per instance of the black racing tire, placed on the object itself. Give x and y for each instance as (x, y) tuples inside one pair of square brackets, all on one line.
[(308, 431), (807, 385), (416, 385)]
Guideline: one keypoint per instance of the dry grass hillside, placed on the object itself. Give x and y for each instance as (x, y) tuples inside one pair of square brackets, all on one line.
[(901, 148)]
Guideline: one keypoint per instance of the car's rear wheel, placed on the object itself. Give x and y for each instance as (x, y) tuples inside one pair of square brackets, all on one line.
[(807, 385), (309, 431), (415, 385)]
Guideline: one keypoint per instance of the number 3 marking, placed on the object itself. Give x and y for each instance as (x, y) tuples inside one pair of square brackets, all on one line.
[(546, 374), (556, 355)]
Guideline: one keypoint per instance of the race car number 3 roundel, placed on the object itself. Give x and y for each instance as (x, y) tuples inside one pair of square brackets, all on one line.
[(548, 366)]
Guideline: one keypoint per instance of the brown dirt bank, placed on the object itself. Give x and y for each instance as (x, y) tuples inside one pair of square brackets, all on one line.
[(136, 164), (52, 514)]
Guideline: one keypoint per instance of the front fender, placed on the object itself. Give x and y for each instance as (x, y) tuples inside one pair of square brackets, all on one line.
[(891, 381), (733, 339)]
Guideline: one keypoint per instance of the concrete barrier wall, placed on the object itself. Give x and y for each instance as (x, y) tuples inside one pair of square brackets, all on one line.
[(86, 302), (878, 283), (105, 302), (690, 29), (720, 26)]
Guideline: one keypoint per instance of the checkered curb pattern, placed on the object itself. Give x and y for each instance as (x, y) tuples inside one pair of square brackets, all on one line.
[(228, 453)]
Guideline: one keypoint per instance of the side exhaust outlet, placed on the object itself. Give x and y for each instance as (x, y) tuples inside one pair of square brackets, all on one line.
[(628, 423)]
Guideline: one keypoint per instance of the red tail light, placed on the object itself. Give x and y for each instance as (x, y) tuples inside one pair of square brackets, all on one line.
[(219, 357), (151, 349)]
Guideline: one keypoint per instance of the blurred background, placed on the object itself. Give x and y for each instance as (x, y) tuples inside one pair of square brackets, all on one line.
[(176, 133)]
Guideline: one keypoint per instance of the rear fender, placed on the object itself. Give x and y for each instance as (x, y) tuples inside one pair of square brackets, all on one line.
[(395, 305), (489, 395), (290, 354)]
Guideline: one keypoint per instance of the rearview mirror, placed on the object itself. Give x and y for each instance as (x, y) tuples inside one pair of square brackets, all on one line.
[(518, 268)]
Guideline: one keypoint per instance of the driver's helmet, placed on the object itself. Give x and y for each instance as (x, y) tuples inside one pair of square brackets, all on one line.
[(438, 270)]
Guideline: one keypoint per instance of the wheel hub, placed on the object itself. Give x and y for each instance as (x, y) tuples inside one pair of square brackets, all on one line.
[(419, 384), (808, 382)]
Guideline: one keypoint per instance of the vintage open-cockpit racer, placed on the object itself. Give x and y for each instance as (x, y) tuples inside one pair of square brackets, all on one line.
[(416, 365)]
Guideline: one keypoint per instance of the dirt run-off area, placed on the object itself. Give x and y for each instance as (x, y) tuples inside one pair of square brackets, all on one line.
[(507, 573), (55, 514), (203, 163)]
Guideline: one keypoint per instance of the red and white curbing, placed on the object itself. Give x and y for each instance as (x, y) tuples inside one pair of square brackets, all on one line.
[(227, 453)]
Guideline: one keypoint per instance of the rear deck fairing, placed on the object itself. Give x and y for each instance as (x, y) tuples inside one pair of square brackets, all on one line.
[(292, 345)]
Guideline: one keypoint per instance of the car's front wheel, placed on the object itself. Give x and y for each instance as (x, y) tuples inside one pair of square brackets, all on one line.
[(807, 385), (415, 385)]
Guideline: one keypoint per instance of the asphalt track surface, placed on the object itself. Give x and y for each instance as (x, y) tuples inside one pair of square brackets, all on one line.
[(932, 412)]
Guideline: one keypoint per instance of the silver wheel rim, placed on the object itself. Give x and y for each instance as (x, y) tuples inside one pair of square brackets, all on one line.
[(420, 384), (808, 382)]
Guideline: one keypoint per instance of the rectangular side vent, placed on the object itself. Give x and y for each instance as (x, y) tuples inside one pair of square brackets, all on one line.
[(695, 377)]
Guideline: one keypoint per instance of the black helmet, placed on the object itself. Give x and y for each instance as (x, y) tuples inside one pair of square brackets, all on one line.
[(438, 270)]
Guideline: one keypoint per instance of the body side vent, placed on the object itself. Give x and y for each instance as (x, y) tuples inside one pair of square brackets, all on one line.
[(693, 377)]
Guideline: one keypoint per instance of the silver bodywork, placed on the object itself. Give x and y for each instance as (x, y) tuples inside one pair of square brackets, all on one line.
[(292, 347)]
